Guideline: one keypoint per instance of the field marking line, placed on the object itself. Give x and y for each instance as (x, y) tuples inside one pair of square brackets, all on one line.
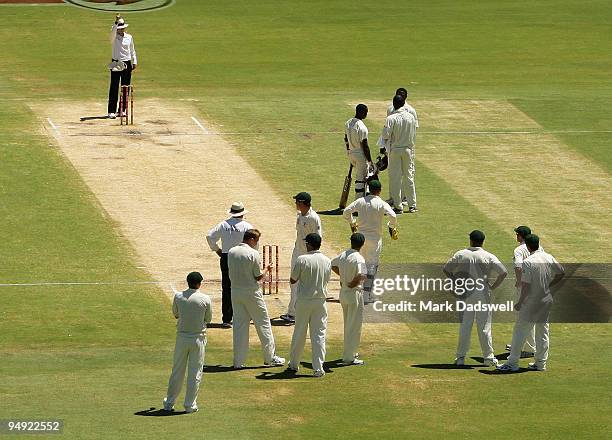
[(200, 125), (53, 126)]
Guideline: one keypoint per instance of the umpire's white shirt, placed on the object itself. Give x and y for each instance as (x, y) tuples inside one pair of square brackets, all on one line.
[(312, 272), (230, 232), (193, 310), (304, 225), (371, 210), (476, 263), (123, 46), (399, 130), (349, 264), (408, 108), (244, 267), (356, 131)]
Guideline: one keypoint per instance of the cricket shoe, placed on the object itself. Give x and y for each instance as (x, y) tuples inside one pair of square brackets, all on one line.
[(191, 409), (491, 362), (167, 406), (412, 210), (507, 368), (226, 325), (533, 366), (508, 347), (239, 367), (288, 318), (112, 115), (353, 362), (460, 361), (318, 373), (292, 369), (276, 361), (398, 211)]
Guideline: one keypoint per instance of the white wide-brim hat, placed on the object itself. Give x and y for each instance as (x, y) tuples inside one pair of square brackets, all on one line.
[(121, 24), (237, 209)]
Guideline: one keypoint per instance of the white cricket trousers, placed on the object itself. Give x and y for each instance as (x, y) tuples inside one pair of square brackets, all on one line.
[(521, 332), (530, 341), (401, 176), (483, 327), (309, 314), (371, 253), (352, 309), (291, 307), (251, 306), (188, 355), (360, 170)]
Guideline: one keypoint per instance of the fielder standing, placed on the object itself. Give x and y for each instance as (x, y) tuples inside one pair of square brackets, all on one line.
[(193, 310), (371, 210), (123, 52), (311, 273), (356, 141), (351, 267), (230, 232), (540, 271), (399, 135), (247, 301), (307, 222), (476, 264)]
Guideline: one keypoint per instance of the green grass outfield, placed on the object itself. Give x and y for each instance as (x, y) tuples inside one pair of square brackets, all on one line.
[(95, 355)]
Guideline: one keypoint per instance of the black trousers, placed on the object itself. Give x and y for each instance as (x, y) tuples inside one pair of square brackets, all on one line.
[(226, 291), (125, 77)]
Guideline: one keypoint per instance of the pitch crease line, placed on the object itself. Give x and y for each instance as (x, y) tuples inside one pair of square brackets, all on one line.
[(200, 125)]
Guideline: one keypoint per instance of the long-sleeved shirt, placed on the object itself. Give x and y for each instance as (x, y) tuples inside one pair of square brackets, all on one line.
[(312, 272), (408, 108), (399, 130), (371, 211), (230, 232), (123, 46), (193, 310)]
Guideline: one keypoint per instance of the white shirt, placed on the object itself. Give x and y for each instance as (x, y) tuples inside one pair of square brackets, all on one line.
[(349, 264), (193, 310), (230, 232), (539, 269), (476, 263), (304, 225), (123, 46), (371, 211), (356, 131), (521, 253), (244, 268), (407, 107), (312, 272), (399, 130)]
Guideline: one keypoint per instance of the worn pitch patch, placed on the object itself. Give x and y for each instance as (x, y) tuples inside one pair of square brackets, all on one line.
[(531, 179)]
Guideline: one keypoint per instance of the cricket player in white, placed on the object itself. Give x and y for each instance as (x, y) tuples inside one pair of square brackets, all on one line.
[(356, 141), (311, 273), (540, 272), (193, 310), (399, 135), (350, 266), (477, 264), (371, 210), (230, 232), (307, 222), (247, 301), (520, 254)]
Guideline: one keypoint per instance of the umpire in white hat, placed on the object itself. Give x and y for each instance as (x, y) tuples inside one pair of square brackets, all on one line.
[(124, 61)]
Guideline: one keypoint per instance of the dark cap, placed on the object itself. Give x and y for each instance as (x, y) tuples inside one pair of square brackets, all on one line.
[(532, 241), (302, 197), (477, 236), (314, 240), (375, 185), (194, 278), (523, 231), (357, 239)]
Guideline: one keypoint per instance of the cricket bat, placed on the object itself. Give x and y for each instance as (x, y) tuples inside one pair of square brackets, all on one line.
[(346, 188)]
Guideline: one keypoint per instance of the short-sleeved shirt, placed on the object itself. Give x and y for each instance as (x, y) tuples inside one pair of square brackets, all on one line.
[(244, 268), (477, 264), (371, 210), (304, 225), (312, 272), (193, 310), (520, 254), (350, 263), (407, 107), (356, 131), (539, 269), (400, 130), (230, 232)]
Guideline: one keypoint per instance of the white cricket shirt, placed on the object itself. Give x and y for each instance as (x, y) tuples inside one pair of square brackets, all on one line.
[(244, 267), (312, 272), (304, 225), (123, 46), (477, 263), (356, 131), (230, 232), (193, 310), (349, 264), (372, 210), (407, 107), (539, 269), (400, 130)]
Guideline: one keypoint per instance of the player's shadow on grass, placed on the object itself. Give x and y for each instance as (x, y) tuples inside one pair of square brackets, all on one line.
[(336, 211), (445, 366), (278, 322), (495, 372), (329, 368), (229, 368), (217, 325), (153, 412)]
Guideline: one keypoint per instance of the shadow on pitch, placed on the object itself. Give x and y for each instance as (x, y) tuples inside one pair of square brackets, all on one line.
[(503, 373), (229, 368), (445, 366), (329, 368), (153, 412), (336, 211)]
